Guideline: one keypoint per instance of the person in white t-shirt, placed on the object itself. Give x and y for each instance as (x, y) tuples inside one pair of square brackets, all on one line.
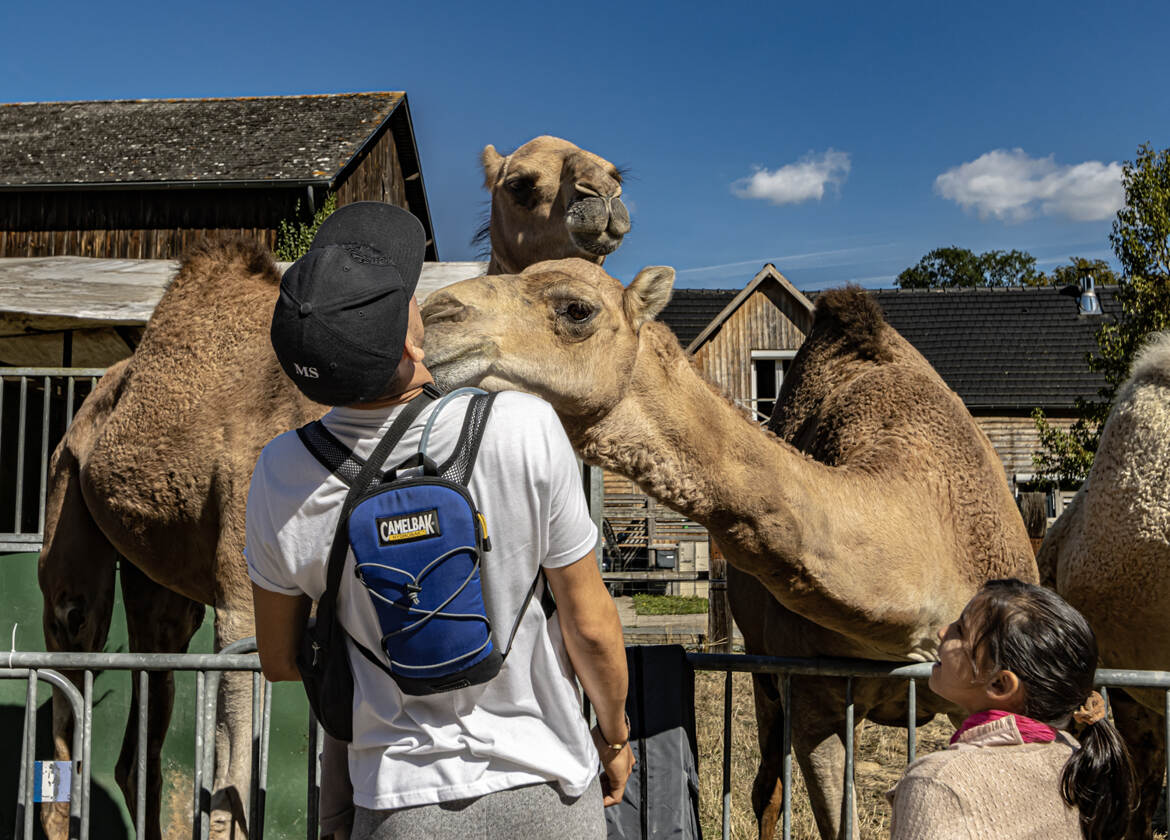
[(509, 757)]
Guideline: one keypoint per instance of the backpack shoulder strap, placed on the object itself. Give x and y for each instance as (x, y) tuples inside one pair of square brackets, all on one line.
[(458, 467), (334, 455)]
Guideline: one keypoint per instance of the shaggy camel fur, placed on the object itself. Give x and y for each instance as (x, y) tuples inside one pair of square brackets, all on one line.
[(156, 468), (861, 535), (1109, 556)]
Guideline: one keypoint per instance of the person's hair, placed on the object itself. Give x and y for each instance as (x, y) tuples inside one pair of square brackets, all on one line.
[(1034, 633)]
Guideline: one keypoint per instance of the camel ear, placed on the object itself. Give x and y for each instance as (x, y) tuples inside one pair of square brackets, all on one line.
[(491, 160), (648, 294)]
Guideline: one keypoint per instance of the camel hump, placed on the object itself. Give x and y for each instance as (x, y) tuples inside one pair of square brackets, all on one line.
[(855, 317), (1153, 360), (226, 254)]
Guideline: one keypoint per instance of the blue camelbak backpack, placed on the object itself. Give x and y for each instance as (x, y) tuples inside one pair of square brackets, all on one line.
[(418, 541)]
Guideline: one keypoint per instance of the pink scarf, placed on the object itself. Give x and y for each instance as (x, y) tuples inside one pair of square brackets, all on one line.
[(1032, 731)]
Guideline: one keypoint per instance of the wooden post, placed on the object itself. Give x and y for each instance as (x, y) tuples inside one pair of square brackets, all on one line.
[(718, 609)]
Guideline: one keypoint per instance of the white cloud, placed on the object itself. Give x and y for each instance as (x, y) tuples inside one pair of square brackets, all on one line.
[(1009, 185), (796, 182)]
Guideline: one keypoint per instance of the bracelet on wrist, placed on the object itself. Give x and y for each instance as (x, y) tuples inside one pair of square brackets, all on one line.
[(615, 745)]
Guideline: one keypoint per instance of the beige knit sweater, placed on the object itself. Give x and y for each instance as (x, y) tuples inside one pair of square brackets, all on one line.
[(989, 784)]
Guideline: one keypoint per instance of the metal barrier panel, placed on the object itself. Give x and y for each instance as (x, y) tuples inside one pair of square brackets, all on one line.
[(47, 667), (36, 407), (850, 669)]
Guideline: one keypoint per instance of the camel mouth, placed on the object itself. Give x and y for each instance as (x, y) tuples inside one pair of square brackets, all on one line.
[(599, 245)]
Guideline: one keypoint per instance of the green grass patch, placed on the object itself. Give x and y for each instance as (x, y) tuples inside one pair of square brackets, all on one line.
[(669, 605)]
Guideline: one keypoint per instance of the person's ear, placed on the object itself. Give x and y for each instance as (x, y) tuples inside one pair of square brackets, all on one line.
[(1006, 691), (412, 351)]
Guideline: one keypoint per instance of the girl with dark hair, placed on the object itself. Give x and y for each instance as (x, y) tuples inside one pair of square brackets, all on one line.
[(1019, 662)]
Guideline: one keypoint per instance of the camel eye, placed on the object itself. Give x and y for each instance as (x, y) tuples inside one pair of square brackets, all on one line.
[(519, 187), (578, 311)]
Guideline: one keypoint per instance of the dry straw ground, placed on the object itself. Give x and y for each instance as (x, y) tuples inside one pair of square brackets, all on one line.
[(880, 760)]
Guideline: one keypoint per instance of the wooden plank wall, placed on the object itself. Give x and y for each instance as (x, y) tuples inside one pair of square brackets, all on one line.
[(759, 324), (136, 224), (1015, 439), (377, 177)]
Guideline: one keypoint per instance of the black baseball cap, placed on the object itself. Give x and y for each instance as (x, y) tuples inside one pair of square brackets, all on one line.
[(341, 319)]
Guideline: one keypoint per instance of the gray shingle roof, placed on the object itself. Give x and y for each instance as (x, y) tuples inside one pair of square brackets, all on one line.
[(1003, 349), (691, 310), (271, 138), (1008, 348)]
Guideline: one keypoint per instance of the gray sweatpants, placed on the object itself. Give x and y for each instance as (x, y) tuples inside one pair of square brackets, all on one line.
[(532, 811)]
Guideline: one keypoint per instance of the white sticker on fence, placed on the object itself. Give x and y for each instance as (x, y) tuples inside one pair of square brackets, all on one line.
[(52, 781)]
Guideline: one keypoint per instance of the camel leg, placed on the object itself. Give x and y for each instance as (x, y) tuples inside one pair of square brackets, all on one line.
[(158, 620), (233, 733), (768, 788), (76, 574), (1142, 730), (819, 747)]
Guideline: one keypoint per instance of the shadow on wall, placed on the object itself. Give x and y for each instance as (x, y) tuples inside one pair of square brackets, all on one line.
[(105, 814)]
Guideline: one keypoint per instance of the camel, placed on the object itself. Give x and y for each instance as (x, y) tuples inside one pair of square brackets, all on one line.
[(1109, 556), (859, 532), (156, 465), (551, 200)]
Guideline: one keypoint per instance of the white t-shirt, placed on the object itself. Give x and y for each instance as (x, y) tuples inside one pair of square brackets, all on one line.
[(525, 725)]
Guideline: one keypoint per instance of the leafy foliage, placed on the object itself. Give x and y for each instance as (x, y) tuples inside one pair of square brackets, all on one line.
[(1141, 241), (954, 267), (294, 237)]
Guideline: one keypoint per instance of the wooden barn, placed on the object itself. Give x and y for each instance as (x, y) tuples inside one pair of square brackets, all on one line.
[(143, 179), (98, 198), (1004, 351)]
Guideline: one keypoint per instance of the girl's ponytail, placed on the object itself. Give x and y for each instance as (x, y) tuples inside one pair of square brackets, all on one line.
[(1099, 781), (1036, 634)]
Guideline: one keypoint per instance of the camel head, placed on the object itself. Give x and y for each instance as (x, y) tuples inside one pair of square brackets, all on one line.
[(563, 330), (552, 200)]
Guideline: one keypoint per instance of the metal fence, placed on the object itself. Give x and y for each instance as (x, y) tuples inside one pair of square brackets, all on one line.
[(47, 667), (36, 407), (851, 669), (208, 668)]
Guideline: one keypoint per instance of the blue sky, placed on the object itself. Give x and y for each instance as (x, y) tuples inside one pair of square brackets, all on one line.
[(839, 141)]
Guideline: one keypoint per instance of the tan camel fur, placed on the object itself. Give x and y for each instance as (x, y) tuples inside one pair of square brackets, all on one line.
[(550, 200), (863, 544), (156, 467), (1109, 556)]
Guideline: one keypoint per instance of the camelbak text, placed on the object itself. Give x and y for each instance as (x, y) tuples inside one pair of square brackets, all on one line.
[(408, 527)]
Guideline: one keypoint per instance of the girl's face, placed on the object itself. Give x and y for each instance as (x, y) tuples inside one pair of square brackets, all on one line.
[(955, 677)]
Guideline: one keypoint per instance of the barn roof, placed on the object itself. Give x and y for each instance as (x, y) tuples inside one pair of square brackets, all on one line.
[(1004, 348), (691, 310), (144, 142)]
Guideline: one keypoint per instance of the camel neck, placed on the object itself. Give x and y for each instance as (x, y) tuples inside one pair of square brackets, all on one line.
[(689, 447), (779, 515)]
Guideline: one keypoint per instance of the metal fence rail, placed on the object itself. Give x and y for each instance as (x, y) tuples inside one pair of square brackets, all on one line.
[(851, 669), (208, 668), (47, 667), (36, 407)]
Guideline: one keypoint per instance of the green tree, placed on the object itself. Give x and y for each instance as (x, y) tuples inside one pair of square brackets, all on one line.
[(954, 267), (294, 237), (1141, 241), (1079, 269)]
